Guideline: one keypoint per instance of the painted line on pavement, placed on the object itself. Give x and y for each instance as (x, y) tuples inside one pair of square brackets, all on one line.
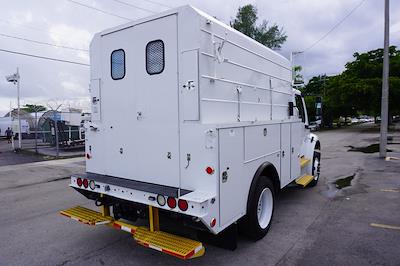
[(390, 190), (385, 226)]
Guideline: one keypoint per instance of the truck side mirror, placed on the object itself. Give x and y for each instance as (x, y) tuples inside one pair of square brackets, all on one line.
[(291, 106)]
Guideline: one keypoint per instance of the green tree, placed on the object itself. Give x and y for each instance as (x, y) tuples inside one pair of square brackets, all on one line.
[(298, 77), (32, 108), (245, 22), (358, 89)]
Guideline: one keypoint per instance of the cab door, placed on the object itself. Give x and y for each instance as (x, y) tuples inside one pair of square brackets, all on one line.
[(297, 136)]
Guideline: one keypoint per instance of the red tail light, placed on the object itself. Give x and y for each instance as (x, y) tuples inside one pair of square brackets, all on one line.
[(183, 205), (213, 222), (171, 202), (79, 181), (85, 183), (209, 170)]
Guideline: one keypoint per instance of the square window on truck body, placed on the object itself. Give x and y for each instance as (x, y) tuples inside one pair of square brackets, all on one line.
[(118, 64), (155, 58)]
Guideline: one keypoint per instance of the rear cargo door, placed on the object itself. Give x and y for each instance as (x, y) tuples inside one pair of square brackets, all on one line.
[(140, 106)]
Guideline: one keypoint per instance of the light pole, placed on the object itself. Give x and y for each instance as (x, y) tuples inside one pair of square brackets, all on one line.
[(385, 87), (15, 78)]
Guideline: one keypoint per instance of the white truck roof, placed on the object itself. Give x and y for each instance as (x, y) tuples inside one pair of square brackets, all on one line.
[(276, 57), (262, 74)]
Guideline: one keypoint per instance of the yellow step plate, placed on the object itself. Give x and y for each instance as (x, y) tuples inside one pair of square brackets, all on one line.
[(177, 246), (171, 244), (86, 216), (304, 162), (304, 180)]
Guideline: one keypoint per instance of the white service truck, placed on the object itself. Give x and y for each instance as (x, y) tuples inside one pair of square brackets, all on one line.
[(194, 119)]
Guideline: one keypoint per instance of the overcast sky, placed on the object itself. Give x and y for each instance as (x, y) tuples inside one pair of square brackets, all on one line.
[(67, 24)]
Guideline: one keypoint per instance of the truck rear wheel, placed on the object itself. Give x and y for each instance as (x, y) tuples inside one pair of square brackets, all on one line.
[(260, 210)]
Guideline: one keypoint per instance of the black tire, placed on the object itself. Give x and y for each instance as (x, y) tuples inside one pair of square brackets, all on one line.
[(249, 225), (314, 172)]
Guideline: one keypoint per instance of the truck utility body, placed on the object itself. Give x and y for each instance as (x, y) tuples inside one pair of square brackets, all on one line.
[(194, 118)]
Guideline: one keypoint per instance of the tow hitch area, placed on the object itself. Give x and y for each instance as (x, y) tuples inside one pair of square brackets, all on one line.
[(177, 246)]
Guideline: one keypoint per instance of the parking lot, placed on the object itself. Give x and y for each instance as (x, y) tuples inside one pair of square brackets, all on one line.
[(353, 221)]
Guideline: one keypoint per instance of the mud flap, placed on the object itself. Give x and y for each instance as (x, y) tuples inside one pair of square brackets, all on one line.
[(227, 239)]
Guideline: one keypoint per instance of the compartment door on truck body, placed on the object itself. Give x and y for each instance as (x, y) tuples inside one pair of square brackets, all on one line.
[(296, 139), (285, 154), (95, 99), (140, 106), (231, 179), (189, 77)]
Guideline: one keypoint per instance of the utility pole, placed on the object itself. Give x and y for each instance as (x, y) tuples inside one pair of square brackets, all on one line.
[(15, 78), (19, 118), (56, 132), (12, 137), (36, 127), (385, 87)]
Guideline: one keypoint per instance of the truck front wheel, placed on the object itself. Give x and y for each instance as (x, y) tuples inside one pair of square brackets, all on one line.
[(258, 219), (316, 167)]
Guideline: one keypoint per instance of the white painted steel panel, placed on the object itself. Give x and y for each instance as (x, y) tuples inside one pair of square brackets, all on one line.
[(95, 93), (251, 168), (203, 149), (95, 146), (142, 132), (189, 86), (285, 154), (297, 136), (243, 90), (231, 152), (261, 140), (226, 77)]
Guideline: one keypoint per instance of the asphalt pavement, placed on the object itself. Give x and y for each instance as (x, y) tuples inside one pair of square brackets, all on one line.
[(355, 225)]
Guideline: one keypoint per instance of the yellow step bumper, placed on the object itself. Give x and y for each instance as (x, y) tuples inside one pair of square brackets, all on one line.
[(304, 162), (86, 216), (304, 180), (177, 246)]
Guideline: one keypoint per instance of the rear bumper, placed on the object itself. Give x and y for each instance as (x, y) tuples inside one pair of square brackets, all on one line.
[(135, 185), (146, 193), (177, 246)]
